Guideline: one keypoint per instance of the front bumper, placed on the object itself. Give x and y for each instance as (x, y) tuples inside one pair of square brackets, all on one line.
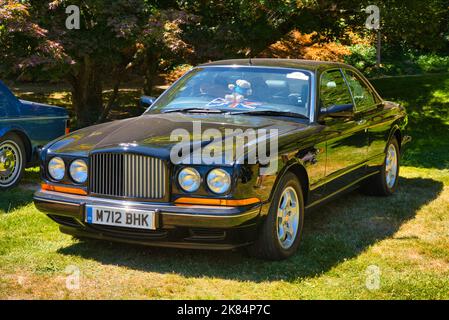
[(200, 227)]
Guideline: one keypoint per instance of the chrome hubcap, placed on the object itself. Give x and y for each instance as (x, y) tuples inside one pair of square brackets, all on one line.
[(391, 166), (288, 218), (10, 163)]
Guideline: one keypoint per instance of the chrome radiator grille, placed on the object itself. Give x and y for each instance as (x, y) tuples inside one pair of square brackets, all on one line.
[(127, 176)]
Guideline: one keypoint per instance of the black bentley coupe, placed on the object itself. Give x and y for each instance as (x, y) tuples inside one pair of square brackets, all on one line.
[(173, 176)]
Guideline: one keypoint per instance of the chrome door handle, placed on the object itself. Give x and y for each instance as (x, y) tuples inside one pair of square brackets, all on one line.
[(361, 122)]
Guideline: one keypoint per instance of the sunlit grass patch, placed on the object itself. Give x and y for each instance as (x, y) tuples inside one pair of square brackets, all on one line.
[(405, 236)]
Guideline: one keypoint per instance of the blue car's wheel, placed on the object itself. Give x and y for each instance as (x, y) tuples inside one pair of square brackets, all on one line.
[(12, 161)]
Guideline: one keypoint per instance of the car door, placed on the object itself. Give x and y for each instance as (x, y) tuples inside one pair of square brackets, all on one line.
[(368, 108), (41, 123), (3, 106), (347, 137), (8, 103), (6, 109)]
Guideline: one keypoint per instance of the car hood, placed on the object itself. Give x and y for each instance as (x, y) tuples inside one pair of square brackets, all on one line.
[(152, 134)]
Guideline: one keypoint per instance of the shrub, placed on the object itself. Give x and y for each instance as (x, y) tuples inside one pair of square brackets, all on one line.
[(176, 73), (297, 45), (395, 61), (433, 63), (362, 56)]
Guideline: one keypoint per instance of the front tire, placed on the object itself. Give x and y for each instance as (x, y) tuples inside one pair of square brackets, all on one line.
[(281, 231), (12, 161), (385, 182)]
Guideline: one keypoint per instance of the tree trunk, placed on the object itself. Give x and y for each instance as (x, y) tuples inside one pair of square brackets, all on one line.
[(87, 93), (151, 72), (112, 100)]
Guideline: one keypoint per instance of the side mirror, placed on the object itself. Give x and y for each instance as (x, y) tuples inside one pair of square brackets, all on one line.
[(337, 111), (146, 101)]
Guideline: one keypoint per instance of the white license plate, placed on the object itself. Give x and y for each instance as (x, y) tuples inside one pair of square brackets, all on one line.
[(120, 217)]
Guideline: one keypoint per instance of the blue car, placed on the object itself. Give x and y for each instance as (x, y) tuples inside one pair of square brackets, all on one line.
[(25, 127)]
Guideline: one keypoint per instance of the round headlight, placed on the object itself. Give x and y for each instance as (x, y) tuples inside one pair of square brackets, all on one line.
[(189, 179), (219, 181), (56, 168), (78, 171)]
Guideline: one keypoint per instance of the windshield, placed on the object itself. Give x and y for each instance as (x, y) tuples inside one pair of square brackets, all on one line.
[(239, 89)]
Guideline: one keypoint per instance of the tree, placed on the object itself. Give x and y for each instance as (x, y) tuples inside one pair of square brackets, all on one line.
[(296, 45), (100, 50), (235, 28), (150, 36), (23, 42), (114, 36), (416, 24), (161, 44)]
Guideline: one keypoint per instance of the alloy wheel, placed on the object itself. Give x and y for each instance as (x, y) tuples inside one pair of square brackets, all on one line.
[(391, 166), (287, 222), (10, 163)]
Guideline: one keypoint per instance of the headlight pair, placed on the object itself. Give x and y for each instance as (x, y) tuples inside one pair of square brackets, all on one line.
[(78, 169), (218, 180)]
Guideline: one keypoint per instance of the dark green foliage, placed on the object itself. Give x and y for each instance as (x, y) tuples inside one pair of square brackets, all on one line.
[(396, 62), (146, 38), (427, 104)]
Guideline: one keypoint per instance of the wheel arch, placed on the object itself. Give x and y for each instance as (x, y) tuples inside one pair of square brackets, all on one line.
[(395, 132), (23, 137), (299, 170)]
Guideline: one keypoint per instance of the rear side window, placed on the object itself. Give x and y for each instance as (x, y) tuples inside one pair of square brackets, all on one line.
[(363, 97), (333, 89)]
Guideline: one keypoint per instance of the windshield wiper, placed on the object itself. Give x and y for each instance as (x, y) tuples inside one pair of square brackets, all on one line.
[(273, 113), (194, 110)]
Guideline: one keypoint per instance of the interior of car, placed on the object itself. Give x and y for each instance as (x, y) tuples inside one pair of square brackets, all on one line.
[(266, 88)]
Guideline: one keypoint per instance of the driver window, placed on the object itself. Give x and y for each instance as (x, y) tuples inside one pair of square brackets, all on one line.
[(363, 98), (333, 89)]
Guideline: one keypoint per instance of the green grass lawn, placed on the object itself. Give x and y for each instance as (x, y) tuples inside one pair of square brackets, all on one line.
[(404, 238)]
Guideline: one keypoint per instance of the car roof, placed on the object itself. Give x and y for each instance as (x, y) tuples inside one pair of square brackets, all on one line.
[(312, 65)]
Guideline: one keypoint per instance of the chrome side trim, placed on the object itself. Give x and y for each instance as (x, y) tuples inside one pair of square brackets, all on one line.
[(341, 190), (313, 99), (337, 175), (33, 119)]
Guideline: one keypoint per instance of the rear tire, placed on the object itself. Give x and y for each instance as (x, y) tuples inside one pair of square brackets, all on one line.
[(12, 161), (385, 183), (281, 231)]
